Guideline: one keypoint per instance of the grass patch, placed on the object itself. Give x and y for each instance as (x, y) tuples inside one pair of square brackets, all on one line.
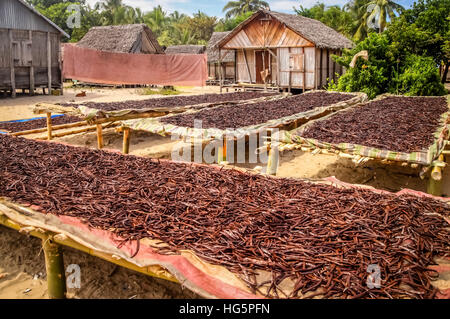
[(161, 91)]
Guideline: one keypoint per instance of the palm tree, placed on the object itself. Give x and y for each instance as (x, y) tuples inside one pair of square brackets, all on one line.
[(381, 9), (358, 10), (235, 8), (156, 20)]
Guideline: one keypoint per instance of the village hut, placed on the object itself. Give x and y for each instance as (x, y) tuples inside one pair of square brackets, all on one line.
[(130, 38), (284, 50), (228, 63), (186, 49), (29, 49)]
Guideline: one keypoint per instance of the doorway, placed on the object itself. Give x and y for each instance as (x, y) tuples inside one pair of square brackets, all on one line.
[(262, 62)]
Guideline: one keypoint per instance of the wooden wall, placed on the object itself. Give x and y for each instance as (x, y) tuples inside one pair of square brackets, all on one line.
[(28, 51), (326, 68), (266, 33), (228, 70)]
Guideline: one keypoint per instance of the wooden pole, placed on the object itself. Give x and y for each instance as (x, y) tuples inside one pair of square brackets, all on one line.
[(220, 70), (30, 37), (54, 265), (434, 186), (248, 67), (126, 140), (49, 126), (304, 70), (49, 63), (11, 65), (99, 136)]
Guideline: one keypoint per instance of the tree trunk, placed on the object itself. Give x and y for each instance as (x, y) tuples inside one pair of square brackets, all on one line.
[(444, 74)]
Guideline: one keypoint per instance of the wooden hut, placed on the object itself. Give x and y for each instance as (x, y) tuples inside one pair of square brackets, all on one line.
[(29, 49), (186, 49), (129, 38), (284, 50), (228, 63)]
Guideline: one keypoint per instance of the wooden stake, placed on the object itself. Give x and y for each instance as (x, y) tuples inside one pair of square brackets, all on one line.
[(54, 265), (49, 126), (99, 136), (126, 140)]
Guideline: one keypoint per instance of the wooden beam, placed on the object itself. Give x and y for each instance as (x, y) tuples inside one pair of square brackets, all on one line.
[(328, 66), (248, 68), (49, 64), (126, 140), (290, 73), (60, 61), (49, 126), (11, 65), (315, 68), (333, 69), (99, 136), (220, 70), (304, 71), (30, 37), (321, 66)]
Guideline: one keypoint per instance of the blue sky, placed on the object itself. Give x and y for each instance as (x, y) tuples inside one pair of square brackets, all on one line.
[(214, 7)]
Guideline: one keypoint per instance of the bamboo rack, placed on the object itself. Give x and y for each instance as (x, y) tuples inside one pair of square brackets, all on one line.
[(51, 243)]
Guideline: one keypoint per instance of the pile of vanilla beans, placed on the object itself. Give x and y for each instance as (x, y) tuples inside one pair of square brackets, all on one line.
[(173, 101), (315, 235), (236, 116), (402, 124)]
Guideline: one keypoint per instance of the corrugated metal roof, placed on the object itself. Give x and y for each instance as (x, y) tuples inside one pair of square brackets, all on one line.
[(17, 14)]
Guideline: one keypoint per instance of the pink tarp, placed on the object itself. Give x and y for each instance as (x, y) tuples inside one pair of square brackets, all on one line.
[(124, 68)]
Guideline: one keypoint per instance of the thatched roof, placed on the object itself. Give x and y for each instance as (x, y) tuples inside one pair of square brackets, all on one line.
[(213, 51), (129, 38), (313, 30), (186, 49)]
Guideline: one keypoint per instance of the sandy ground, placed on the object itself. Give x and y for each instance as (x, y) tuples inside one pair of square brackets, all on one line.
[(21, 262)]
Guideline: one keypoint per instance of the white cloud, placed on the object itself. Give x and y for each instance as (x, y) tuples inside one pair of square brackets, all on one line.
[(286, 5), (147, 5)]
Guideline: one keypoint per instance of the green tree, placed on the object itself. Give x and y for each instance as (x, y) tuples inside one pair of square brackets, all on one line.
[(229, 24), (388, 69), (333, 16), (380, 10), (235, 8), (157, 20)]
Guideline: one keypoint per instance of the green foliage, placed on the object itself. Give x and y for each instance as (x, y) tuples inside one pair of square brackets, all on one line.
[(231, 23), (333, 16), (420, 77), (388, 69), (161, 91), (236, 8)]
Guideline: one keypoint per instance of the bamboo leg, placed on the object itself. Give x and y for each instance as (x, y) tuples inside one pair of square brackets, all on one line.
[(54, 265), (99, 136), (49, 126), (272, 163), (126, 140), (434, 186)]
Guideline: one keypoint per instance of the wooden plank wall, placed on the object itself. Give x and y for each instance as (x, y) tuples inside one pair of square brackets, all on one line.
[(326, 68), (242, 70), (39, 64)]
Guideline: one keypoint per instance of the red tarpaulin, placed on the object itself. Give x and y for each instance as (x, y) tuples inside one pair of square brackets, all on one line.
[(124, 68)]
